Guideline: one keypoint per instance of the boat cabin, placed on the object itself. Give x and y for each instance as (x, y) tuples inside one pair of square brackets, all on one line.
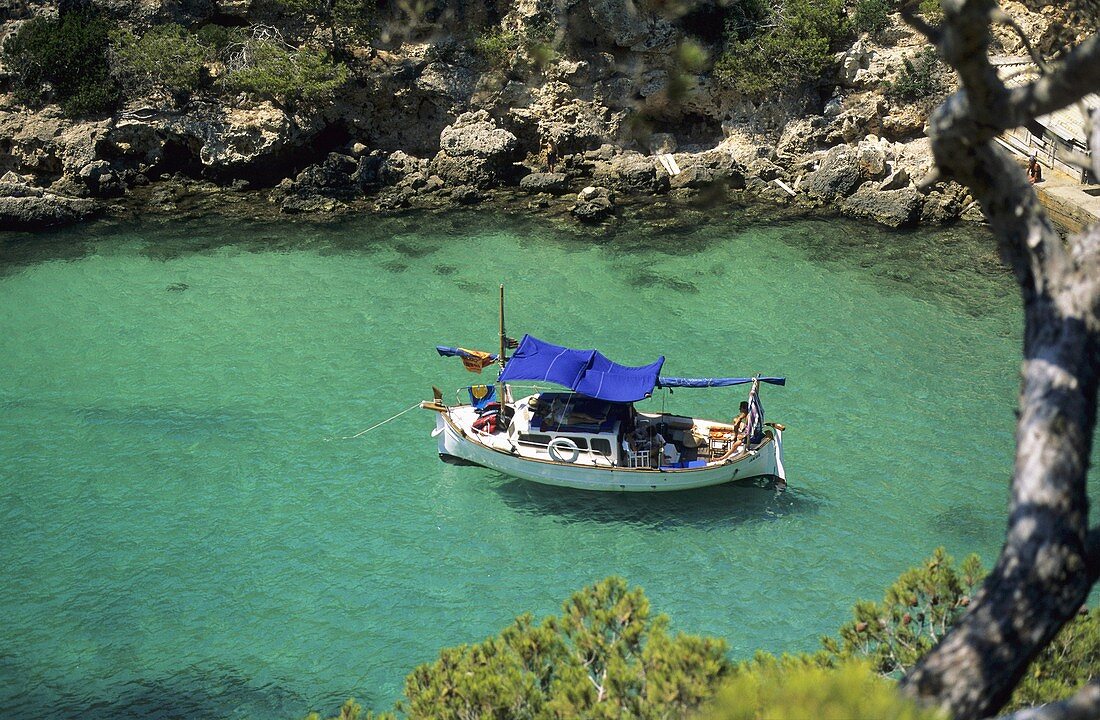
[(572, 428)]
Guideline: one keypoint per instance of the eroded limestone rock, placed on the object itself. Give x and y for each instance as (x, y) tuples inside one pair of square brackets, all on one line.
[(475, 151), (838, 175), (892, 208), (594, 204)]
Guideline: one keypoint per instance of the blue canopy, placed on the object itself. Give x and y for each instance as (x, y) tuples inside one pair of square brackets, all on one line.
[(587, 372), (713, 382)]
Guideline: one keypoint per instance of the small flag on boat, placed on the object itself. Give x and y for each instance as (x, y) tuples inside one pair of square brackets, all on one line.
[(482, 395), (754, 428), (474, 360)]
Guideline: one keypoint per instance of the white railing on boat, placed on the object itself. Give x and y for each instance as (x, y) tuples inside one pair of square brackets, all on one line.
[(462, 397)]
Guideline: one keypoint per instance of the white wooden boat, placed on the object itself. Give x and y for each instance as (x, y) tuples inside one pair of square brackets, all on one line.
[(590, 436)]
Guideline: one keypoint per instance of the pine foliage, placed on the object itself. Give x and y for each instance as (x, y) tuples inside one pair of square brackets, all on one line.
[(604, 657), (167, 58), (291, 77), (917, 610), (792, 46), (791, 688)]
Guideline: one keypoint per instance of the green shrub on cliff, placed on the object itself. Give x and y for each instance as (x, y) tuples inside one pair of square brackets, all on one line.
[(790, 47), (167, 58), (606, 657), (340, 20), (920, 78), (497, 46), (1064, 666), (931, 9), (290, 77), (926, 601), (64, 60), (871, 15), (217, 39)]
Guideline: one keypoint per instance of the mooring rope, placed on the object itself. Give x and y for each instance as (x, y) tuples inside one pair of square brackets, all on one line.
[(376, 425)]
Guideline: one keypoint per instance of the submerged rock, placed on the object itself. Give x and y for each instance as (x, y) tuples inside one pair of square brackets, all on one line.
[(311, 204), (594, 204)]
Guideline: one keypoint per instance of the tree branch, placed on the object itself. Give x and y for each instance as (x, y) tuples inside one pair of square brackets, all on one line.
[(1045, 569), (1085, 705)]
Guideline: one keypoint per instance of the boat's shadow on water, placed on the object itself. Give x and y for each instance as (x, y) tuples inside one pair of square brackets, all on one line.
[(729, 505)]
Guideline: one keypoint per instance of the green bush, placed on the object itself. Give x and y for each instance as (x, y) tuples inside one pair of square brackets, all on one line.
[(497, 46), (920, 78), (63, 59), (540, 29), (871, 15), (218, 38), (917, 610), (604, 657), (339, 19), (289, 77), (925, 602), (1070, 661), (770, 688), (744, 18), (931, 9), (795, 47), (165, 58)]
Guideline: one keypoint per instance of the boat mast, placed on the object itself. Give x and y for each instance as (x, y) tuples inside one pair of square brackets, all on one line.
[(502, 358), (503, 338)]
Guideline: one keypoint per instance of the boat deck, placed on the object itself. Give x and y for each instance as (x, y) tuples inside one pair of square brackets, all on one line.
[(619, 438)]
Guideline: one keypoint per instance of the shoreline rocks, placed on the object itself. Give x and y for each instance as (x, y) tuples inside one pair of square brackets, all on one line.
[(33, 209), (429, 122), (593, 204)]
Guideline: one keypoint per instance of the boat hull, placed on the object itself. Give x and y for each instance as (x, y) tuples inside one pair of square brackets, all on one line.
[(456, 447)]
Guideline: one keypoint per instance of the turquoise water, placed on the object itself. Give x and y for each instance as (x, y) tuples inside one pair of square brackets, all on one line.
[(183, 538)]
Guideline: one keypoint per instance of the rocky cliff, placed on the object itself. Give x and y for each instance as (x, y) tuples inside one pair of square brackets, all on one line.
[(579, 96)]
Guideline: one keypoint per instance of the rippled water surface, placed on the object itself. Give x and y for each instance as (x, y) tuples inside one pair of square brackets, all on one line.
[(182, 539)]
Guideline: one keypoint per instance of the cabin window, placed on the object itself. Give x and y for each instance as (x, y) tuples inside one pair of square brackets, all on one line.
[(602, 447), (581, 443), (543, 440)]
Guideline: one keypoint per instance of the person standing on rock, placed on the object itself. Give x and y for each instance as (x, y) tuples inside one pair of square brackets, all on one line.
[(550, 153)]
